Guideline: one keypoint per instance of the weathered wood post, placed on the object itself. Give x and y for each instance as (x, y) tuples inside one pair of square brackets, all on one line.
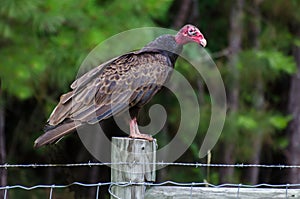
[(133, 160)]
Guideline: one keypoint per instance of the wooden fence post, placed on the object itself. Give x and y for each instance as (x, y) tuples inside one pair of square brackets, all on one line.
[(133, 160)]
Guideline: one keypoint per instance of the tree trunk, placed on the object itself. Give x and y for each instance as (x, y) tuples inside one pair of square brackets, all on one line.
[(183, 13), (253, 172), (3, 172), (235, 38), (293, 150), (188, 12)]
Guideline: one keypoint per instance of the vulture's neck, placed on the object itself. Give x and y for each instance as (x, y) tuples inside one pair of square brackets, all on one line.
[(167, 45)]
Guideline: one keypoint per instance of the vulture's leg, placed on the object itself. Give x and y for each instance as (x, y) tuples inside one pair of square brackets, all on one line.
[(135, 133)]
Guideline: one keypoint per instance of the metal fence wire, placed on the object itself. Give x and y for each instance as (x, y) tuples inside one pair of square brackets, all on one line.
[(192, 185), (196, 165)]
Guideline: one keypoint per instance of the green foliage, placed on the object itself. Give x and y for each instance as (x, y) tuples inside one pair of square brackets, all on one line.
[(266, 64), (247, 122), (280, 122), (50, 38), (267, 121), (278, 61), (297, 42)]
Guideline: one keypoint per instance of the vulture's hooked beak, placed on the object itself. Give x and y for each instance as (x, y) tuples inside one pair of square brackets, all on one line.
[(203, 42)]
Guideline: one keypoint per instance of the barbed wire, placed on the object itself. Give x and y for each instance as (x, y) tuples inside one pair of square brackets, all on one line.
[(90, 164)]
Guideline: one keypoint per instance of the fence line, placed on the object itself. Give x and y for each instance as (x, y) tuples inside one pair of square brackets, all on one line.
[(90, 164), (192, 185), (125, 184), (125, 180), (149, 184)]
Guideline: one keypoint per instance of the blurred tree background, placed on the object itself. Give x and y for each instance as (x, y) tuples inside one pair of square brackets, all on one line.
[(255, 44)]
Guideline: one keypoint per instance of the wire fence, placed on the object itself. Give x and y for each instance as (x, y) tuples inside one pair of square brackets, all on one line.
[(51, 187), (196, 165), (148, 184)]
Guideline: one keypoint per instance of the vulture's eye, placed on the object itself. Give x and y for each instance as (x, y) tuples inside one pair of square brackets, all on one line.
[(192, 32)]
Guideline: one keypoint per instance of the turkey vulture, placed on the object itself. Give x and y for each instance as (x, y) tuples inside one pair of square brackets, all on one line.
[(125, 82)]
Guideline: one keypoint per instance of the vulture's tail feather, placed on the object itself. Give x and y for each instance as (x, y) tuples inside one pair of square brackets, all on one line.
[(54, 133)]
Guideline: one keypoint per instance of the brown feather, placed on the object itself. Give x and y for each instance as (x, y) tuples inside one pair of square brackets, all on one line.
[(55, 134)]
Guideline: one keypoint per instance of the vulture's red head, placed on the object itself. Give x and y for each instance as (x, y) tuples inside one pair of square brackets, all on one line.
[(190, 33)]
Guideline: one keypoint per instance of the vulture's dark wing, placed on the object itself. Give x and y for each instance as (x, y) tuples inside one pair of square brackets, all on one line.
[(131, 79), (111, 88)]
